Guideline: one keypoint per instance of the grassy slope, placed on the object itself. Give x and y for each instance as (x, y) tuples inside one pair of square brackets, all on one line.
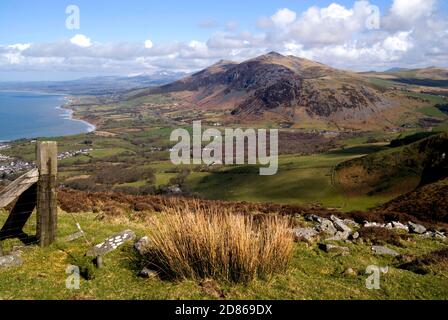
[(313, 273)]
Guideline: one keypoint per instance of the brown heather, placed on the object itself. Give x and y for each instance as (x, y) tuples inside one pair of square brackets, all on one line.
[(200, 243)]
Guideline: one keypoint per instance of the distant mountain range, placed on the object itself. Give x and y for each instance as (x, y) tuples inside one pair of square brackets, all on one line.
[(106, 85), (289, 89)]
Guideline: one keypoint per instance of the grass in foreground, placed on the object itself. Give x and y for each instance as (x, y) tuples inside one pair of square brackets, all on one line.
[(219, 245), (313, 274)]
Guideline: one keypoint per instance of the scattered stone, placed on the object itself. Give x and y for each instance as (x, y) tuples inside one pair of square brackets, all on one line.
[(313, 217), (304, 233), (354, 235), (340, 225), (329, 248), (416, 228), (10, 260), (433, 235), (148, 273), (111, 243), (339, 236), (327, 227), (368, 224), (141, 245), (384, 251), (399, 226), (440, 235), (350, 272)]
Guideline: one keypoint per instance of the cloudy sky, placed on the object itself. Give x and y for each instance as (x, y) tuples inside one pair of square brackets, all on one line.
[(44, 40)]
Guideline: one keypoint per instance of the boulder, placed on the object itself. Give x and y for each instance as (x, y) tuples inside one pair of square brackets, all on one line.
[(330, 248), (384, 251), (11, 260), (368, 224), (399, 226), (339, 236), (111, 243), (326, 226), (141, 245), (440, 235), (305, 233), (313, 217), (340, 225), (416, 228), (354, 235)]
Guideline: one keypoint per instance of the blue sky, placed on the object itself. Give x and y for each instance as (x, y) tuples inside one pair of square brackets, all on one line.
[(134, 20), (189, 35)]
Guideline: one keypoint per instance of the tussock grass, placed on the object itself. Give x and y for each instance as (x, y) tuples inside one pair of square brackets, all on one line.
[(200, 243)]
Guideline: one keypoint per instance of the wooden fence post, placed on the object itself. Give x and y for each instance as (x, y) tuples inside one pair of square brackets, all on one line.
[(47, 158)]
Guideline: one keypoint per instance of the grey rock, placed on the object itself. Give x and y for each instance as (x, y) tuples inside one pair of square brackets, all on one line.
[(329, 248), (313, 217), (327, 227), (384, 251), (399, 226), (416, 228), (440, 235), (368, 224), (111, 243), (11, 260), (305, 233), (354, 235), (428, 234), (339, 236), (141, 245), (147, 273), (340, 225)]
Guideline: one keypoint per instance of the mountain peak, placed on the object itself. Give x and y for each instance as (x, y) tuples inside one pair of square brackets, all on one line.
[(223, 62), (274, 54)]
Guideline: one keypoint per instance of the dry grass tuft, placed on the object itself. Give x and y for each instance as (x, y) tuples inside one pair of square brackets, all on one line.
[(208, 244)]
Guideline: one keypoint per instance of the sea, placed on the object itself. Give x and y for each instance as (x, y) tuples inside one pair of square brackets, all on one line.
[(32, 115)]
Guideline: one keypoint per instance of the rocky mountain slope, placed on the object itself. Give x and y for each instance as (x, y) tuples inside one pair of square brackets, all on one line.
[(286, 89)]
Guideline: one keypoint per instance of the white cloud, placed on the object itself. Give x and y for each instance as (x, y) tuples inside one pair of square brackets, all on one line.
[(412, 9), (81, 41), (335, 34), (148, 44), (398, 42), (331, 25), (20, 46), (283, 17)]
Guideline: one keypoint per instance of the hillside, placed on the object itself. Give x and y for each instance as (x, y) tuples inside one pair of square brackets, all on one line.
[(288, 89), (425, 203), (396, 170), (430, 77)]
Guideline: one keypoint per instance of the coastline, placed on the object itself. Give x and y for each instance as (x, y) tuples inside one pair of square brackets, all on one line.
[(69, 108), (64, 108)]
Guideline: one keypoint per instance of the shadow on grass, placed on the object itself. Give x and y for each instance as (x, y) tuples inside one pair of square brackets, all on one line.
[(358, 150)]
